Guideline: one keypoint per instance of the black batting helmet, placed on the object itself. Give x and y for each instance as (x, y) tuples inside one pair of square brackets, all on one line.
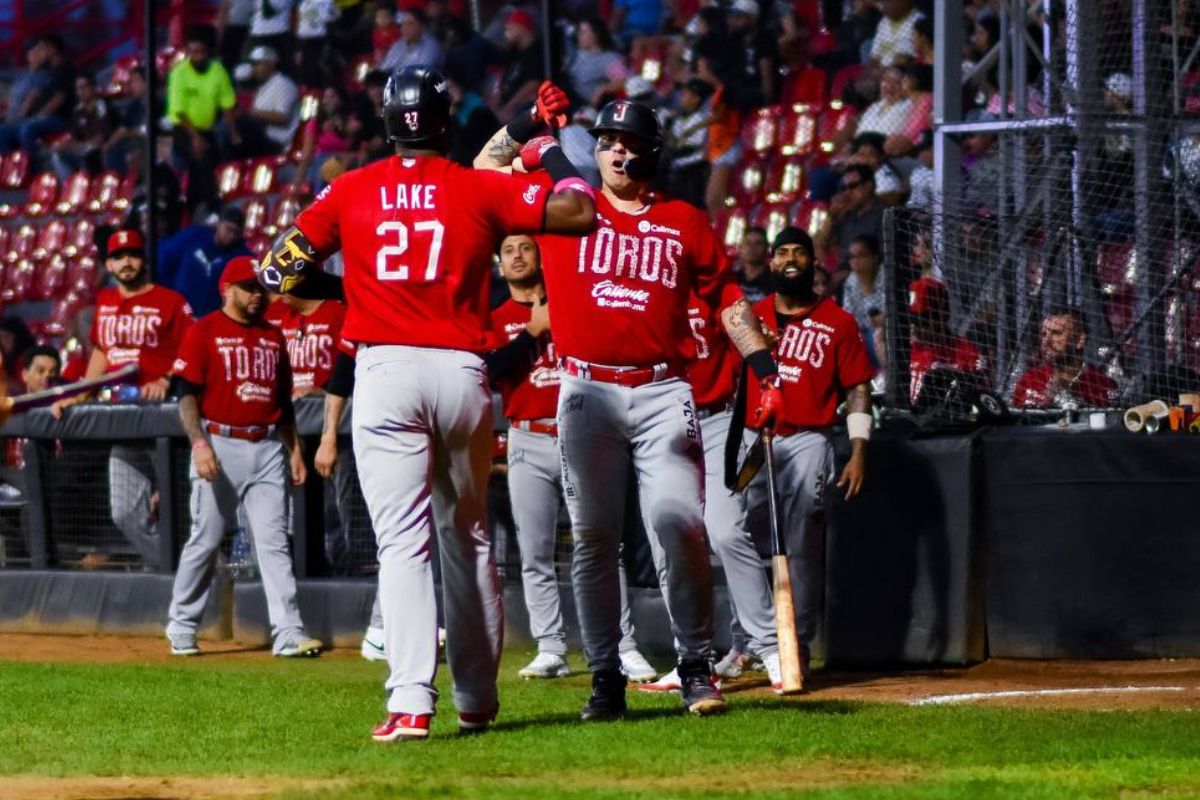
[(416, 106), (636, 119)]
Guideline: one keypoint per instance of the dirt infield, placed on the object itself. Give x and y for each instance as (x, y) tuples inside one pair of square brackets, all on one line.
[(20, 787), (1162, 683)]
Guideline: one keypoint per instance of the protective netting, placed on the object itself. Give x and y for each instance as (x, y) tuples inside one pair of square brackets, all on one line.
[(1058, 267)]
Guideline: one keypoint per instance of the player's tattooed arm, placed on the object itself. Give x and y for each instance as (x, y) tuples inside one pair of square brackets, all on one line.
[(189, 417), (499, 152), (744, 329), (858, 399)]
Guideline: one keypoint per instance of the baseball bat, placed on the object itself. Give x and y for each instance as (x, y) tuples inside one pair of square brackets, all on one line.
[(46, 397), (785, 602)]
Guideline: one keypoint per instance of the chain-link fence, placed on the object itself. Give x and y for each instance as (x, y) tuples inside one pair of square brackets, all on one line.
[(1057, 264)]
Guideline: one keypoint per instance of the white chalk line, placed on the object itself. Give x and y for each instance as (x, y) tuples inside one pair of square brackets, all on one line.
[(969, 697)]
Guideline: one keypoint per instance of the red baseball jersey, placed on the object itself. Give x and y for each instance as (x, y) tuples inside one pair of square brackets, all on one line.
[(417, 236), (960, 355), (1091, 388), (312, 341), (820, 355), (145, 329), (532, 394), (243, 370), (713, 370), (621, 292)]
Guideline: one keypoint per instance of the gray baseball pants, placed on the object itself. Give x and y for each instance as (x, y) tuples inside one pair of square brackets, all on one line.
[(253, 475), (804, 468), (422, 421), (130, 487), (725, 519), (603, 430), (534, 489)]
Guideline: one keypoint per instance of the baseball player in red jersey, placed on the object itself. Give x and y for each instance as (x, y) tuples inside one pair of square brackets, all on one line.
[(138, 322), (620, 327), (235, 387), (530, 395), (821, 358), (713, 373), (417, 233), (311, 328)]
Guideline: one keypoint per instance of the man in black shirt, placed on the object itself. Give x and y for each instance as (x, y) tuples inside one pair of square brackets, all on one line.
[(519, 83), (49, 101)]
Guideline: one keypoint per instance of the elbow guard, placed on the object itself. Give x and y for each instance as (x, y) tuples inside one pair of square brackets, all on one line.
[(285, 265)]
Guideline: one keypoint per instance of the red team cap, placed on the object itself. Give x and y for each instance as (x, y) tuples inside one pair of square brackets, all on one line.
[(127, 239), (523, 18), (240, 269), (928, 295)]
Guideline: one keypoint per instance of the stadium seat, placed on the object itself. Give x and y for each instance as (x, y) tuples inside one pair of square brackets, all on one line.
[(258, 244), (648, 59), (256, 216), (82, 238), (797, 132), (811, 216), (118, 82), (356, 75), (75, 193), (49, 278), (260, 176), (81, 274), (833, 121), (104, 191), (772, 217), (51, 240), (843, 76), (3, 240), (806, 87), (1117, 268), (730, 227), (17, 282), (759, 131), (166, 59), (229, 179), (63, 310), (784, 182), (43, 194), (14, 172), (20, 243), (748, 182)]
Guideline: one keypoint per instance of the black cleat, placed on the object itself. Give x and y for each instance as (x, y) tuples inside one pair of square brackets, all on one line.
[(700, 694), (608, 697)]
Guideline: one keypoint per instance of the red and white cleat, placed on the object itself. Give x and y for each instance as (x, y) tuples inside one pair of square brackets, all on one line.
[(402, 726)]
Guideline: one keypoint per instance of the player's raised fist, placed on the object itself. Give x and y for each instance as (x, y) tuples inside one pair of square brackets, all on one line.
[(532, 151), (552, 105), (770, 404)]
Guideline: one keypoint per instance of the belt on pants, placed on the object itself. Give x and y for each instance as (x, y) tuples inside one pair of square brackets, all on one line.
[(247, 433), (630, 377), (534, 426), (712, 409)]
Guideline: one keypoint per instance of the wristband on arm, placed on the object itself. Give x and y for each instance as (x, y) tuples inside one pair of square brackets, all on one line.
[(559, 167), (762, 363), (524, 126), (858, 425)]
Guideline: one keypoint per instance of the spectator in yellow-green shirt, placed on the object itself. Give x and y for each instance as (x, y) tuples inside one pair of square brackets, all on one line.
[(198, 93)]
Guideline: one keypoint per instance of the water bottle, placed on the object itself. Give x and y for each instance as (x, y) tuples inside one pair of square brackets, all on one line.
[(240, 559)]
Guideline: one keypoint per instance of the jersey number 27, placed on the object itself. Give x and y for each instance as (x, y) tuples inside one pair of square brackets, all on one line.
[(397, 232)]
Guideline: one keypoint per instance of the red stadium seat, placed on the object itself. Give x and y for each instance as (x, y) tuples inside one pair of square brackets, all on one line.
[(50, 241), (118, 82), (74, 195), (258, 244), (730, 227), (357, 74), (285, 214), (648, 59), (806, 87), (758, 134), (1117, 268), (797, 132), (50, 278), (784, 183), (43, 194), (842, 77), (4, 232), (772, 217), (14, 172), (82, 238), (82, 272), (748, 184), (229, 179), (20, 244), (811, 216), (166, 59), (260, 176), (18, 280), (104, 191), (833, 121), (256, 217)]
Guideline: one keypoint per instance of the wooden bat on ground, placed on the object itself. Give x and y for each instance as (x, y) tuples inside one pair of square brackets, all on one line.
[(46, 397), (785, 603)]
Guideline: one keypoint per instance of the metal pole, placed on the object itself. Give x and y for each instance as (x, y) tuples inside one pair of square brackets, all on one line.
[(947, 109), (151, 151)]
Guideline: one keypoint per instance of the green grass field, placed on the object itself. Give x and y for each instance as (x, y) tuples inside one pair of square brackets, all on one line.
[(311, 720)]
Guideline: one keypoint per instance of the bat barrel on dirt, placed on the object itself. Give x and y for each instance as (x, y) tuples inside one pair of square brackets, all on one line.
[(785, 603)]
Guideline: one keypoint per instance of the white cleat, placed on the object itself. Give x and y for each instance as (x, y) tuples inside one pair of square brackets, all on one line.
[(775, 673), (373, 647), (667, 683), (545, 665), (735, 663), (636, 667)]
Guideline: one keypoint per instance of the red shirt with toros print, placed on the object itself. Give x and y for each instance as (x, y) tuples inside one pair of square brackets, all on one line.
[(621, 292), (713, 370), (242, 368), (417, 236), (531, 394), (312, 341), (146, 329), (820, 355)]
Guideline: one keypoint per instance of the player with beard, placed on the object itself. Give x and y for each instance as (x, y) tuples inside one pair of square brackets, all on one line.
[(136, 322), (235, 387), (1063, 376), (822, 359)]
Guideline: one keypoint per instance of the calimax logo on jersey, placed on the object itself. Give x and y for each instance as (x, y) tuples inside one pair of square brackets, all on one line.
[(646, 226)]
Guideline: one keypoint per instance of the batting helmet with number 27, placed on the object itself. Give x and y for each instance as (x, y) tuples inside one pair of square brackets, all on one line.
[(416, 106)]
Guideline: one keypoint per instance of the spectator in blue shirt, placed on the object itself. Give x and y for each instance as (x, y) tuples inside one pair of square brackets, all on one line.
[(190, 262)]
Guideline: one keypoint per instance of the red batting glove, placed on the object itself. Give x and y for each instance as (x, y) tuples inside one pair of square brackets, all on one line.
[(770, 404), (552, 105), (532, 151)]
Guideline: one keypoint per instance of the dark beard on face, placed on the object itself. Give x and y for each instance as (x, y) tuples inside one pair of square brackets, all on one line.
[(136, 282), (798, 288)]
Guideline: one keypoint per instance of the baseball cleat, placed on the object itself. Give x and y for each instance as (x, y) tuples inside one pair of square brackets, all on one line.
[(402, 726), (735, 663), (667, 683), (302, 647), (545, 665), (476, 721), (775, 673), (699, 690), (183, 644), (373, 647), (607, 702), (636, 667)]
